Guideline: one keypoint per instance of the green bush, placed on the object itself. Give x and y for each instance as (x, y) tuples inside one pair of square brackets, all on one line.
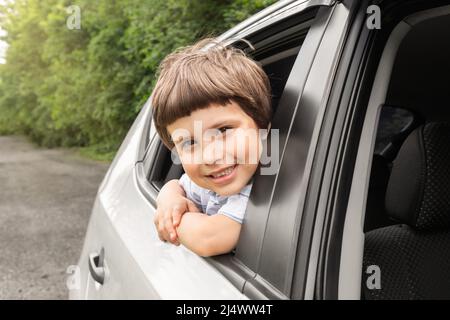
[(84, 87)]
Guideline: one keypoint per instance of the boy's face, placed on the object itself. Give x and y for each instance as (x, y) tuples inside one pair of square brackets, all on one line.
[(219, 147)]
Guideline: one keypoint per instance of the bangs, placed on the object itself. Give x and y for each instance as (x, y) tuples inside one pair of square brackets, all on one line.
[(193, 88)]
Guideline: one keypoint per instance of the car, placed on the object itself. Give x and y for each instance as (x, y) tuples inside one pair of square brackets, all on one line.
[(359, 207)]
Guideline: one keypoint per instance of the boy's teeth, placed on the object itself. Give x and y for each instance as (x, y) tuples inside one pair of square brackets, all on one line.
[(223, 173)]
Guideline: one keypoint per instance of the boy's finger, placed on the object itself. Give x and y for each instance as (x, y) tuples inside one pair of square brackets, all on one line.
[(161, 238), (156, 218), (162, 231), (172, 236), (177, 212)]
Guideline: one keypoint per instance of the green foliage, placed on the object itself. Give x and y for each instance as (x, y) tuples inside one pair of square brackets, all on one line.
[(84, 87)]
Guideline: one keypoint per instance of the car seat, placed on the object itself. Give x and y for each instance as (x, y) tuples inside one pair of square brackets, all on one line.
[(414, 257)]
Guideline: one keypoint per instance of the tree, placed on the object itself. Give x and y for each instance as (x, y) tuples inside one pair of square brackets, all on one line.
[(84, 87)]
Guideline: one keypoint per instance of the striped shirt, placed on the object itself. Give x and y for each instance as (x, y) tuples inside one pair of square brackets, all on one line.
[(211, 203)]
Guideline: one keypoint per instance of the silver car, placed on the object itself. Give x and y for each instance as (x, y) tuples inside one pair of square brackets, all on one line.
[(354, 84)]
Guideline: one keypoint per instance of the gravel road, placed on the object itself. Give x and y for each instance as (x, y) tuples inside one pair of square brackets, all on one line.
[(45, 202)]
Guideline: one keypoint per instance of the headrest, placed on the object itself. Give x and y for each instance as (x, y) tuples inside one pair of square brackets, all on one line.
[(418, 192)]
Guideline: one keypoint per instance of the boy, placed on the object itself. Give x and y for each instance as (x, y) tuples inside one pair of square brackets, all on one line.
[(209, 107)]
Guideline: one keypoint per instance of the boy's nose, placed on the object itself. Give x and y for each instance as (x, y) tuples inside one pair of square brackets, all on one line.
[(212, 153)]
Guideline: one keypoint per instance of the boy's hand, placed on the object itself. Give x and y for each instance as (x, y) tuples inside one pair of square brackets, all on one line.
[(168, 217)]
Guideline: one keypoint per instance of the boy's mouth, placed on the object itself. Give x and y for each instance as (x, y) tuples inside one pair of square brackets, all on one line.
[(224, 174)]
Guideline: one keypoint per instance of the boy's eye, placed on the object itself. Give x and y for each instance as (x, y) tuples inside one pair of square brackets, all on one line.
[(224, 129), (188, 144)]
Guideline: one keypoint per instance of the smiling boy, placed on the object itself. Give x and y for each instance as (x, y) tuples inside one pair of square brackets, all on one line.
[(209, 106)]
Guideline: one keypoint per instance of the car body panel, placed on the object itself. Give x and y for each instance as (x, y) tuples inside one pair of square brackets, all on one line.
[(293, 187), (138, 264)]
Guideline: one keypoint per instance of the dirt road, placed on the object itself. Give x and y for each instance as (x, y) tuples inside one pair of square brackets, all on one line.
[(45, 201)]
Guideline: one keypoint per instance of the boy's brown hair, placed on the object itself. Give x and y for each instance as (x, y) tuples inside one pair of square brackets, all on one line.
[(191, 78)]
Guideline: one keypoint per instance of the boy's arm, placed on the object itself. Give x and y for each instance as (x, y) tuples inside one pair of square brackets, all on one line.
[(171, 187), (208, 235), (171, 205)]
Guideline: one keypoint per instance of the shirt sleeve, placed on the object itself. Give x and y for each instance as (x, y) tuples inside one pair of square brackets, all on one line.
[(236, 205), (186, 183)]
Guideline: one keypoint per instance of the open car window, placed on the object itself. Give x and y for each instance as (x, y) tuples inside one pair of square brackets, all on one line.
[(270, 233), (277, 50)]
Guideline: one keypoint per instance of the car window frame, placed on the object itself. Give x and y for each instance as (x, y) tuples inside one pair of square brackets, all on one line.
[(282, 257)]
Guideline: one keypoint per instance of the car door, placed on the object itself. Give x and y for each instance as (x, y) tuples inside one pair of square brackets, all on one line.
[(242, 265), (287, 267), (123, 257)]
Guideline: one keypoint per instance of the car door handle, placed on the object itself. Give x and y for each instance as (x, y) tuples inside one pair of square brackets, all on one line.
[(97, 266)]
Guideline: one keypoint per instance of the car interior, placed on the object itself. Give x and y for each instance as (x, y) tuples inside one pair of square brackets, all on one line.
[(407, 219)]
